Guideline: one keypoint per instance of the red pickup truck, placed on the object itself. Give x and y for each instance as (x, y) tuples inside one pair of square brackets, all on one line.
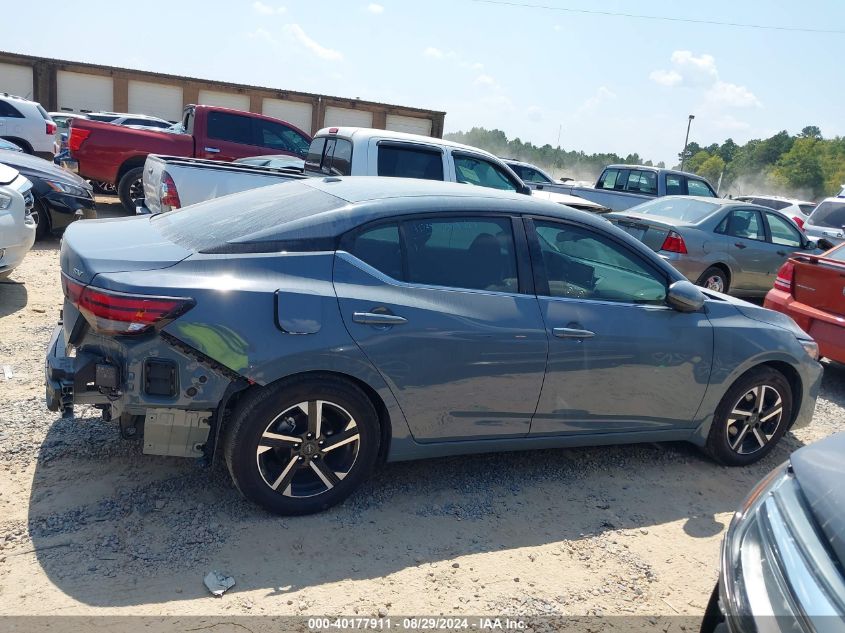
[(115, 154)]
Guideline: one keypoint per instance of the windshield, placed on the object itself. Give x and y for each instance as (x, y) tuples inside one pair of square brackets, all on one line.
[(685, 209), (830, 214)]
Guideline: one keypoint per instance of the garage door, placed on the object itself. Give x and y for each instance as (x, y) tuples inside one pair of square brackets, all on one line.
[(224, 99), (16, 80), (409, 124), (84, 93), (155, 100), (337, 117), (294, 112)]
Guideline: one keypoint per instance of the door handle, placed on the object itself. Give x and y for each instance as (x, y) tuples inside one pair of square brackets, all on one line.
[(375, 318), (212, 150), (568, 332), (740, 245)]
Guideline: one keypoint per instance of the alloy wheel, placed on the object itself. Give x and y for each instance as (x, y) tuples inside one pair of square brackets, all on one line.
[(136, 189), (754, 419), (714, 282), (308, 449)]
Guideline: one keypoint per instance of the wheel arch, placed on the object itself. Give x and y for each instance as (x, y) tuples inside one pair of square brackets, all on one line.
[(795, 383), (130, 163), (725, 268), (22, 143), (384, 418)]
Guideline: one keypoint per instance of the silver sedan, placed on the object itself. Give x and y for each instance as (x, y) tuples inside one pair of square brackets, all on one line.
[(724, 245)]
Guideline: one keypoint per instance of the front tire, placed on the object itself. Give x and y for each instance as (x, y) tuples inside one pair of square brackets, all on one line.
[(42, 221), (302, 445), (131, 187), (714, 278), (751, 418)]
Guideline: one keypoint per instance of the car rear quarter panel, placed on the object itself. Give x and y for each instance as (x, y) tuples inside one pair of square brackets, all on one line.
[(242, 304)]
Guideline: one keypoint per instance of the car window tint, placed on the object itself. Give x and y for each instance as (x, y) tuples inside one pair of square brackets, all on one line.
[(783, 232), (583, 264), (379, 247), (674, 187), (234, 128), (532, 175), (410, 162), (8, 110), (830, 214), (642, 182), (476, 171), (806, 209), (473, 253), (699, 188), (744, 223), (278, 136), (341, 158), (315, 154)]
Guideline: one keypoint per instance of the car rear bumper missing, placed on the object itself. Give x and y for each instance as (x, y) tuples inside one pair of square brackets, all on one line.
[(72, 380)]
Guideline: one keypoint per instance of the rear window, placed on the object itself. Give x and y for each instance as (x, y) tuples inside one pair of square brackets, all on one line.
[(806, 209), (777, 205), (830, 214), (683, 209), (409, 162), (270, 221), (43, 112)]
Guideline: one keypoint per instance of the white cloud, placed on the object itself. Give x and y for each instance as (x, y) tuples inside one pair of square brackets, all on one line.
[(701, 68), (295, 31), (534, 113), (728, 123), (434, 53), (485, 80), (666, 77), (266, 9), (726, 93), (262, 34), (375, 8), (602, 95)]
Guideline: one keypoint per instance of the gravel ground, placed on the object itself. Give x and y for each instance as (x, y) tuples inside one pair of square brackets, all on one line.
[(89, 525)]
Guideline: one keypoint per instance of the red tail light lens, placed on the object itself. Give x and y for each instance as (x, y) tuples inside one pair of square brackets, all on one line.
[(77, 138), (51, 128), (120, 313), (785, 276), (168, 194), (799, 222), (674, 243)]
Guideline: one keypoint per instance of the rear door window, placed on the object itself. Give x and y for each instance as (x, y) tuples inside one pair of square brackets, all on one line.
[(408, 161), (674, 185), (9, 111), (234, 128), (379, 247), (743, 223), (471, 253), (609, 179), (474, 170), (640, 181)]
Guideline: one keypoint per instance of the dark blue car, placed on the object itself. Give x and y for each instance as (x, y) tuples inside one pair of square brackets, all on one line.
[(310, 330)]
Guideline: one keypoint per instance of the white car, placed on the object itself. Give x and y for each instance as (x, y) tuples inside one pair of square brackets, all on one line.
[(796, 210), (125, 118), (827, 221), (26, 124), (17, 226)]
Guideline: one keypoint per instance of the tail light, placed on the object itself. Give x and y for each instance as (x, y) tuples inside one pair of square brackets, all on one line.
[(799, 222), (77, 138), (119, 313), (785, 276), (674, 243), (168, 195), (51, 128)]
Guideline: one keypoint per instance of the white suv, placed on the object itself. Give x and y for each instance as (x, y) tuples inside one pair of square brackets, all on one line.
[(16, 218), (26, 124)]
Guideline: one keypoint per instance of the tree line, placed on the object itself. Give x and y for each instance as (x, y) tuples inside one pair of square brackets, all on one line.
[(804, 165)]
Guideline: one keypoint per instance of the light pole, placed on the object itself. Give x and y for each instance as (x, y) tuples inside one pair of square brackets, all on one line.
[(686, 141)]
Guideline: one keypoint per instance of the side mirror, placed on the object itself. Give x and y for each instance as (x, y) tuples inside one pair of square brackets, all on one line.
[(684, 296), (524, 190), (823, 244)]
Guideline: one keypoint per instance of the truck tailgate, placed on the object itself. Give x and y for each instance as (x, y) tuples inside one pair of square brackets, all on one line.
[(820, 284)]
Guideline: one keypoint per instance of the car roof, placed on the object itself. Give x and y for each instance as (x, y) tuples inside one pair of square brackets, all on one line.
[(662, 170), (781, 198), (364, 133), (6, 95)]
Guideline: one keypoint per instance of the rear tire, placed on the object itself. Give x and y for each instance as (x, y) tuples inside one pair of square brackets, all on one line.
[(751, 418), (302, 445), (714, 278), (130, 188)]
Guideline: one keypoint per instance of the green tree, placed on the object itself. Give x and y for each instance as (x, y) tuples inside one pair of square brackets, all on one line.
[(811, 131), (800, 167), (712, 169)]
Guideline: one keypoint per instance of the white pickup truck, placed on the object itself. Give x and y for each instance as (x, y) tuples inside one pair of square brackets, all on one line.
[(171, 182)]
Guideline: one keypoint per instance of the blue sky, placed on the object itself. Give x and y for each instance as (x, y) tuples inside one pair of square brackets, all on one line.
[(607, 83)]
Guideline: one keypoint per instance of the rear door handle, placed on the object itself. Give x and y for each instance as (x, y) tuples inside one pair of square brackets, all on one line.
[(568, 332), (740, 245), (375, 318), (212, 150)]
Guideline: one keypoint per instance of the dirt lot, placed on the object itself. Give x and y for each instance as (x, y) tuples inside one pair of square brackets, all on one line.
[(89, 525)]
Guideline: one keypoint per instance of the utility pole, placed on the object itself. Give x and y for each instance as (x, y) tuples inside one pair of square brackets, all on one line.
[(686, 141), (559, 130)]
